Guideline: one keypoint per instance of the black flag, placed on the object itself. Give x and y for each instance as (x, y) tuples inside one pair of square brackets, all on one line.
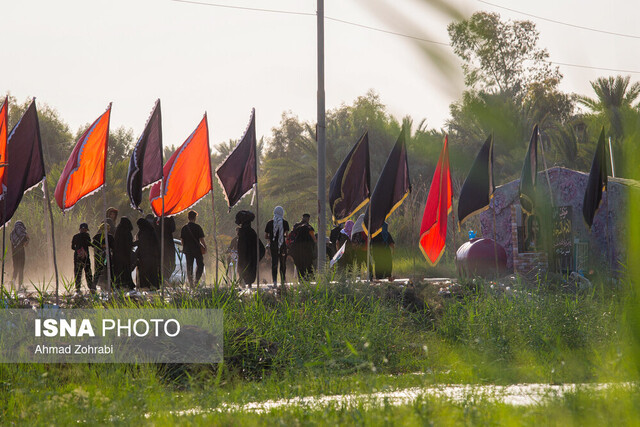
[(349, 190), (392, 188), (145, 166), (529, 174), (597, 182), (26, 165), (477, 190), (239, 172)]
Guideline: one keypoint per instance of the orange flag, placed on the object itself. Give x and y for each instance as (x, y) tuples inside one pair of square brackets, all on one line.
[(85, 169), (433, 232), (4, 115), (187, 175)]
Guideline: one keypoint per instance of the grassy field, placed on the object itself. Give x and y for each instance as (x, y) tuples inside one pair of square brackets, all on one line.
[(349, 337)]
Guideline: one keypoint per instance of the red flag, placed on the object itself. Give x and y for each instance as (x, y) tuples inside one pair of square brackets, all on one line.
[(187, 174), (85, 169), (3, 140), (433, 232)]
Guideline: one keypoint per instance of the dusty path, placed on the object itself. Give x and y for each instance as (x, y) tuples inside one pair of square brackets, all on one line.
[(517, 395)]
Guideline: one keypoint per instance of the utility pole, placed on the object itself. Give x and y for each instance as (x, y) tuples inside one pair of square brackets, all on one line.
[(321, 137)]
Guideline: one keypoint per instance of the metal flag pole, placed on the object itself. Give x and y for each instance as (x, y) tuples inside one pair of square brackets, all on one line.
[(613, 169), (369, 244), (213, 205), (162, 232), (4, 227), (257, 237), (610, 255), (413, 228), (53, 238), (104, 199), (322, 196)]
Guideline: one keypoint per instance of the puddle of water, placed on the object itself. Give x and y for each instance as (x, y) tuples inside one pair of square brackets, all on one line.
[(516, 395)]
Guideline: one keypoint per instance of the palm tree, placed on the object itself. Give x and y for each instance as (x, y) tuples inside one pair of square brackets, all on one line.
[(614, 95)]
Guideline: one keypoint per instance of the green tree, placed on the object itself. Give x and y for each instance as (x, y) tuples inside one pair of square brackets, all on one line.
[(500, 57), (614, 96)]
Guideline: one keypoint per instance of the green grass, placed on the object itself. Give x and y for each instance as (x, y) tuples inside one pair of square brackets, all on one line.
[(348, 338)]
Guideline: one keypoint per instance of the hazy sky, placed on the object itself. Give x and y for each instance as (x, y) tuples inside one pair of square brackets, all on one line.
[(79, 55)]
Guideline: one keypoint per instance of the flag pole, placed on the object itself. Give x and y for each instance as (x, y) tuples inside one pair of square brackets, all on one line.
[(162, 231), (213, 206), (104, 200), (413, 228), (369, 243), (609, 229), (4, 232), (613, 169), (53, 238), (257, 236)]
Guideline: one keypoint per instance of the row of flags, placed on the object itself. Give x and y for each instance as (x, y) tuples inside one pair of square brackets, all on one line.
[(187, 176), (349, 189), (175, 186)]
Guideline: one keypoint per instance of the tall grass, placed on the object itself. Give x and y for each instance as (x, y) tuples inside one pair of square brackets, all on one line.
[(345, 336)]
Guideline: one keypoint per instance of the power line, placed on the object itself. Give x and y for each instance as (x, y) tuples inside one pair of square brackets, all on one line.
[(385, 31), (367, 27), (593, 68), (288, 12), (595, 30), (254, 9)]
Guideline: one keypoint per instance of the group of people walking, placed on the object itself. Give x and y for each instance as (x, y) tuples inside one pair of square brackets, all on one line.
[(282, 240), (299, 242), (144, 253)]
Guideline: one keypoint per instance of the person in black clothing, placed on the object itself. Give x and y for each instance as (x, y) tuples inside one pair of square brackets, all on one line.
[(381, 251), (99, 255), (303, 247), (247, 247), (80, 244), (19, 239), (193, 246), (148, 256), (122, 255), (276, 232)]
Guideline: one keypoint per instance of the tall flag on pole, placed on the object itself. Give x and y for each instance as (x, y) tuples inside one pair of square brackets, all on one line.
[(26, 170), (597, 182), (477, 190), (349, 190), (187, 174), (529, 175), (145, 166), (392, 188), (238, 173), (433, 231), (84, 172), (4, 120)]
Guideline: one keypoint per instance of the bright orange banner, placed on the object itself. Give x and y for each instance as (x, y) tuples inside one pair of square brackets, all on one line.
[(4, 118), (433, 231), (84, 172), (187, 175)]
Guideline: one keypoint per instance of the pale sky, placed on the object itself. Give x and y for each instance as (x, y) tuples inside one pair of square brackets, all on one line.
[(79, 55)]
